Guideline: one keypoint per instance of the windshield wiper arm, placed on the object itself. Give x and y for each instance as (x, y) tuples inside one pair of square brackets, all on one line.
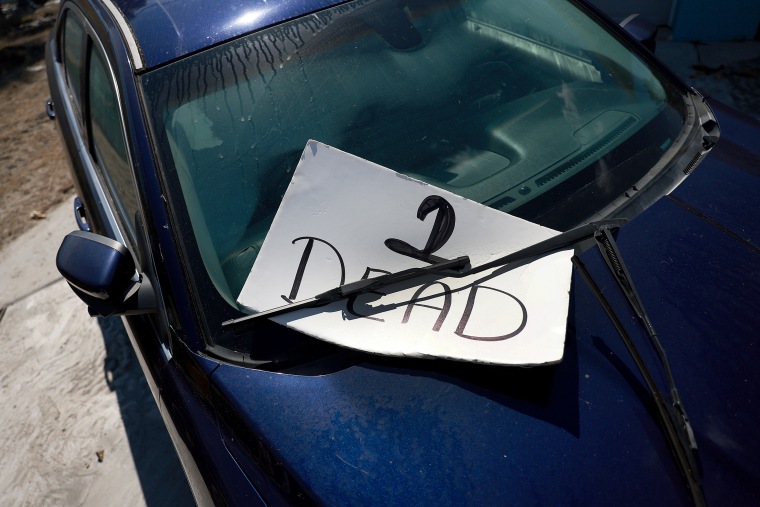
[(455, 268), (612, 257), (673, 418)]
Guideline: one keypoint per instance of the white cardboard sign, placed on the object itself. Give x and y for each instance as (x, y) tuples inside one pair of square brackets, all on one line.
[(344, 218)]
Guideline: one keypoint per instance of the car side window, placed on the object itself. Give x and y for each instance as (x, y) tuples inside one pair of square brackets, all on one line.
[(108, 146), (73, 35)]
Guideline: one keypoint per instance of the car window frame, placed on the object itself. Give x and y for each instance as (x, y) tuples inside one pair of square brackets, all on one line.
[(93, 150), (63, 38), (102, 38), (120, 228)]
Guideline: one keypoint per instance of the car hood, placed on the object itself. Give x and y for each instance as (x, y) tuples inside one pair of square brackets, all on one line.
[(390, 431)]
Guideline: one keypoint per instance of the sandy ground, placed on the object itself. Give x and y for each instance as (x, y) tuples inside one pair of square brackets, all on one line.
[(71, 388), (34, 174), (79, 426)]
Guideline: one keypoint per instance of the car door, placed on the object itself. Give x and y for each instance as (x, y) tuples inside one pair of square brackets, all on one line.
[(90, 110), (94, 92), (65, 73)]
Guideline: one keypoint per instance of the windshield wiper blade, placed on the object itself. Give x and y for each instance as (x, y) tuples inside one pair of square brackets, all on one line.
[(672, 416), (347, 290), (454, 268)]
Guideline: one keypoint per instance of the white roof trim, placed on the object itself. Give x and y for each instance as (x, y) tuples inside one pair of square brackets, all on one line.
[(127, 32)]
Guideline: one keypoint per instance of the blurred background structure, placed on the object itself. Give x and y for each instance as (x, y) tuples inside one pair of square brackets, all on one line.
[(693, 20)]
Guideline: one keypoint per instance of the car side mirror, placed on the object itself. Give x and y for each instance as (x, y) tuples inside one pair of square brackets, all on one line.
[(642, 30), (102, 273)]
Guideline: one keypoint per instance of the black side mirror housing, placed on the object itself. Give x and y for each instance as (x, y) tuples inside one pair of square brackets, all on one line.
[(102, 273)]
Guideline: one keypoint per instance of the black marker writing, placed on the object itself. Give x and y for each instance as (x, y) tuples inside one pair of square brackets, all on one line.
[(444, 310), (305, 259), (443, 228), (468, 311)]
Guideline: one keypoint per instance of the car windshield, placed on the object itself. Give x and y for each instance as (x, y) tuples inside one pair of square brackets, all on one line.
[(527, 106)]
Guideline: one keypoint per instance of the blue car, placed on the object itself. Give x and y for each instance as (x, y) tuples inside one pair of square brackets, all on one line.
[(184, 123)]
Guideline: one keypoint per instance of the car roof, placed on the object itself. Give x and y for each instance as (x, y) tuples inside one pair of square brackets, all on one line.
[(165, 30)]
